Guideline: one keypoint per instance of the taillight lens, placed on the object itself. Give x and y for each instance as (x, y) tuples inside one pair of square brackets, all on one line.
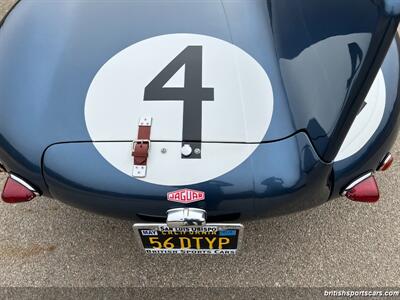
[(386, 163), (363, 189), (17, 190)]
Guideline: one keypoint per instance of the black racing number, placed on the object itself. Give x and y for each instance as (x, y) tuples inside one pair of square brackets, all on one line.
[(192, 93)]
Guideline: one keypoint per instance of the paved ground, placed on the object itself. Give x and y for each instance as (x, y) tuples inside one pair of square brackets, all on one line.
[(45, 243)]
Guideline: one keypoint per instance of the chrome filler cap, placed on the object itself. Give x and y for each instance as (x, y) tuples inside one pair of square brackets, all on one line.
[(186, 216)]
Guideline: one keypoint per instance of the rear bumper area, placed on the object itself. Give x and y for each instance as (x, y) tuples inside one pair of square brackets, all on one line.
[(277, 178)]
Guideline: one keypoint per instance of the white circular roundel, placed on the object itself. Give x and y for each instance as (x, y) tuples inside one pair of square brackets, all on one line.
[(367, 121), (195, 88)]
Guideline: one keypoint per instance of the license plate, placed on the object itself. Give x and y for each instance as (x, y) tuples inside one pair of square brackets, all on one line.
[(207, 239)]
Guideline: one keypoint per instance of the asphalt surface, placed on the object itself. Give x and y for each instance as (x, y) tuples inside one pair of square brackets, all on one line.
[(342, 243)]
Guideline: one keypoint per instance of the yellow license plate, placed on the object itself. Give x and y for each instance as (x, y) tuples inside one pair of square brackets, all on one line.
[(207, 239)]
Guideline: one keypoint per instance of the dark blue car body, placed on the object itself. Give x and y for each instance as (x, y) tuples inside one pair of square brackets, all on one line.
[(50, 51)]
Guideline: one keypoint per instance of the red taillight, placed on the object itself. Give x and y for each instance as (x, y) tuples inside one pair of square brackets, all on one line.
[(16, 190), (386, 163), (363, 189)]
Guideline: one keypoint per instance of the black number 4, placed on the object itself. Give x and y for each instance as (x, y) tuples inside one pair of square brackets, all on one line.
[(192, 94)]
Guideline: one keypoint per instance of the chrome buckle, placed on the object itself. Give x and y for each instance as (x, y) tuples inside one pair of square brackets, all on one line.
[(135, 142)]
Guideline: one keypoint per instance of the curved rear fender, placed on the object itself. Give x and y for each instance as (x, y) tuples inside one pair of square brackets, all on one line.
[(326, 87)]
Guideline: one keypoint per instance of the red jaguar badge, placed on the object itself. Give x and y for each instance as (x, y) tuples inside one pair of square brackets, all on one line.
[(186, 196)]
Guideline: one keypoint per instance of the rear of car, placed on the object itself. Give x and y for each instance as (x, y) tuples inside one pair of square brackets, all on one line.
[(212, 111)]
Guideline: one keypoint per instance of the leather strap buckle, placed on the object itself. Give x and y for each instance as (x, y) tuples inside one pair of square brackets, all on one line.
[(141, 148)]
